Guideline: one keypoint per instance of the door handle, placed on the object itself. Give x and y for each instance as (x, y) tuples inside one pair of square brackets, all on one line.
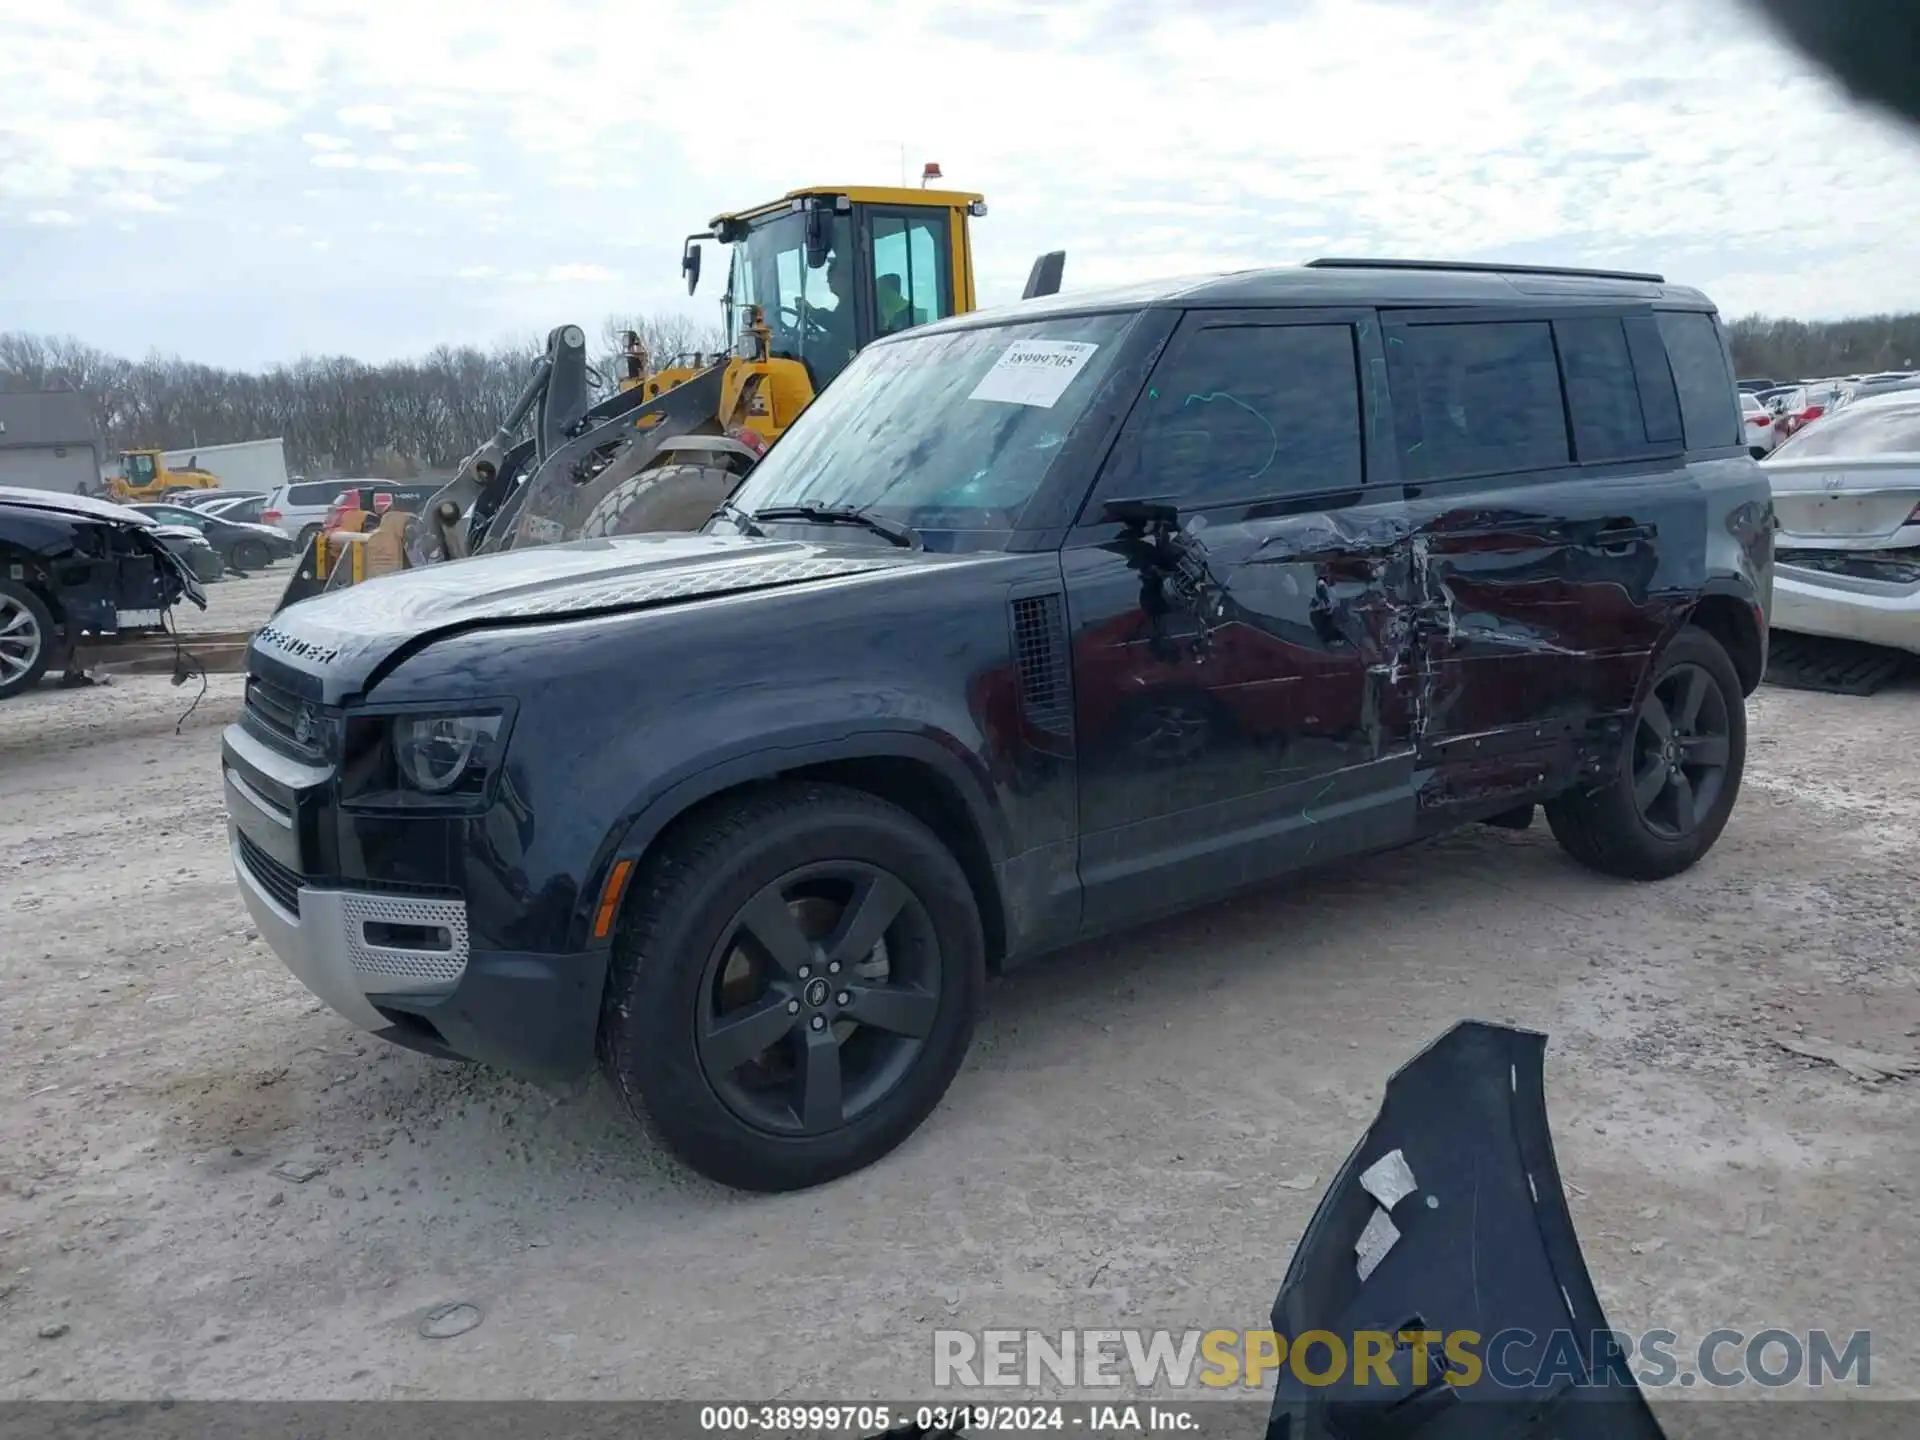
[(1618, 534)]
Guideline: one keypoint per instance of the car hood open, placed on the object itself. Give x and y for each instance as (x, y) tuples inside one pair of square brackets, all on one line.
[(348, 633)]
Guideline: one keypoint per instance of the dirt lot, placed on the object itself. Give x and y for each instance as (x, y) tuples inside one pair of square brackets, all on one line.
[(1110, 1155)]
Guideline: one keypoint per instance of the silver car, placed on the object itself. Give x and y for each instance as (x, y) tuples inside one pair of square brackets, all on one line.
[(1847, 493)]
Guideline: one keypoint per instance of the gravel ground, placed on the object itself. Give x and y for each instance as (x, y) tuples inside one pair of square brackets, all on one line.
[(1111, 1154)]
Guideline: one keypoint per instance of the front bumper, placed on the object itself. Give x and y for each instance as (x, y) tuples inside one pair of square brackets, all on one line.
[(1846, 607), (403, 967)]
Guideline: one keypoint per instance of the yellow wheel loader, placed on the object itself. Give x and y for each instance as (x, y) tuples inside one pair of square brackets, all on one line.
[(812, 278), (144, 476)]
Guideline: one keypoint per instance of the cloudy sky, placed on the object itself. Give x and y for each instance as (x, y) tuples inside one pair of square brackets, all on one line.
[(242, 182)]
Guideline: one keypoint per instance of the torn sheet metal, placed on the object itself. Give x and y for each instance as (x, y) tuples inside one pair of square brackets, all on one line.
[(1375, 1241), (1389, 1179)]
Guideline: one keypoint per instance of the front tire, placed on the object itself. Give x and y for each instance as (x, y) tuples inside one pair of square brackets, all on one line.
[(249, 555), (1677, 776), (794, 986), (26, 639)]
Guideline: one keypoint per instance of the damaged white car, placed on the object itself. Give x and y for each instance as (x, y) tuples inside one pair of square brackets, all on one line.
[(1847, 494)]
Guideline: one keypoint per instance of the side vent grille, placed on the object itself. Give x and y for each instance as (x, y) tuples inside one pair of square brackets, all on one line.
[(1040, 648)]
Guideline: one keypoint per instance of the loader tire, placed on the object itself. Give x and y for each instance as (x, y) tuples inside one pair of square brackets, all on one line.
[(670, 497)]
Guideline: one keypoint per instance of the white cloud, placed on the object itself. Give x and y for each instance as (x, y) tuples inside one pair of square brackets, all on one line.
[(1145, 140), (579, 274), (367, 117), (139, 200), (52, 217)]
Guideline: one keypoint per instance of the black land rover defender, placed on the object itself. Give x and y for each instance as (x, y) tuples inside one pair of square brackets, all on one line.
[(1039, 623)]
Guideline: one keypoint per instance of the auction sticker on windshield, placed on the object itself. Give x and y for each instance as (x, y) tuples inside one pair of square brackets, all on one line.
[(1034, 372)]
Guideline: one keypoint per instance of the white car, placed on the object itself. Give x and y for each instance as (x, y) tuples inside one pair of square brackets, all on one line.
[(1847, 494), (1758, 427)]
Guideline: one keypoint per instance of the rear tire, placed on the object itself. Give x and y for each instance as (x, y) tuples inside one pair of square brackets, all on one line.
[(1677, 776), (26, 638), (715, 1037), (668, 497)]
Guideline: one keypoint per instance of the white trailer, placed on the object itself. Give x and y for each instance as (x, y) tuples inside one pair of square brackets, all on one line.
[(244, 465)]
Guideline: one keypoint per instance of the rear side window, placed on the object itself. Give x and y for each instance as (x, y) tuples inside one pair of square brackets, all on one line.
[(1619, 388), (1477, 399), (1603, 396), (319, 492), (1704, 377), (1241, 413)]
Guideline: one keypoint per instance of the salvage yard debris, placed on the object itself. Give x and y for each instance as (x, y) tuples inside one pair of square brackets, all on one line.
[(1861, 1064)]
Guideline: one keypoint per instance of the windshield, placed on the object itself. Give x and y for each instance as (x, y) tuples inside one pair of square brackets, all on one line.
[(139, 469), (809, 309), (1852, 431), (950, 431)]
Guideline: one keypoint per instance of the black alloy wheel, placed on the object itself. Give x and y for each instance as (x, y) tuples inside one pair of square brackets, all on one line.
[(818, 998), (795, 983), (1681, 744), (1667, 793)]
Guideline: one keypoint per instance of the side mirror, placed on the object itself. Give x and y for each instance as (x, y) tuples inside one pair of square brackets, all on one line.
[(819, 239), (690, 266), (1141, 515)]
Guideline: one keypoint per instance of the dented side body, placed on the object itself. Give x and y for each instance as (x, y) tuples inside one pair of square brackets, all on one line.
[(1105, 721)]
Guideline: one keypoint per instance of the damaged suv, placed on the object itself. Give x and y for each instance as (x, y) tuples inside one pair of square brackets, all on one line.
[(1038, 624)]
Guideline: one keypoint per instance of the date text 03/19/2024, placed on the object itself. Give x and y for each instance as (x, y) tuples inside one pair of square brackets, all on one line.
[(861, 1421)]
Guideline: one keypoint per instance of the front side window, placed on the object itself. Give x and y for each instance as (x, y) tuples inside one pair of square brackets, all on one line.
[(953, 430), (1241, 413), (912, 283), (140, 469), (809, 308)]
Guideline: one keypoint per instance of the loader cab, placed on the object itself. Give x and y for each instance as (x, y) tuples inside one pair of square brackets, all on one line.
[(139, 468), (833, 270)]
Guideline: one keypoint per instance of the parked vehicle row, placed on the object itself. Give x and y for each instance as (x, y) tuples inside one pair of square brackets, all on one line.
[(1847, 494)]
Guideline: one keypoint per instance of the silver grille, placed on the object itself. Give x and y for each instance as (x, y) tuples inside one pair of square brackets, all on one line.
[(386, 963)]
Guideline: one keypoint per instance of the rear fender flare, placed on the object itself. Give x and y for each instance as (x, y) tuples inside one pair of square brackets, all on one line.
[(653, 811)]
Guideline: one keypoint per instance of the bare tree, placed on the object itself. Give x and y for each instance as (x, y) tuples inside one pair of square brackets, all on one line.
[(338, 415)]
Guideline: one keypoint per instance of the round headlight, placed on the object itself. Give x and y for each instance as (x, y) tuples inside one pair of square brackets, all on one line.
[(433, 753)]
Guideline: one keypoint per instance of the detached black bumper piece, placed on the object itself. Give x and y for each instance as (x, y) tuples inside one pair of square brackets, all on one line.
[(1449, 1221)]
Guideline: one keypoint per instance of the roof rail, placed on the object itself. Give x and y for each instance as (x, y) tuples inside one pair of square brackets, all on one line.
[(1483, 267)]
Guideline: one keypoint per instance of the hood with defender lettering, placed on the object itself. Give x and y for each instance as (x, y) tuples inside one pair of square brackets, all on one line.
[(348, 633)]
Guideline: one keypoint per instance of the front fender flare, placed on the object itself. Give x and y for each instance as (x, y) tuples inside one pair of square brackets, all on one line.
[(650, 812)]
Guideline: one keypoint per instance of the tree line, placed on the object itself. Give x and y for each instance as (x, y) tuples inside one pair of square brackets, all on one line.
[(341, 416), (337, 415), (1807, 350)]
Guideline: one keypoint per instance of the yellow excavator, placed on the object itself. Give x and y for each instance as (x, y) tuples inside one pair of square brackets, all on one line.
[(812, 278), (144, 476)]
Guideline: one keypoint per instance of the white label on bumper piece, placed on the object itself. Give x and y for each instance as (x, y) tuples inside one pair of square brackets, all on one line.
[(1389, 1179), (1374, 1243), (137, 619), (1034, 372)]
